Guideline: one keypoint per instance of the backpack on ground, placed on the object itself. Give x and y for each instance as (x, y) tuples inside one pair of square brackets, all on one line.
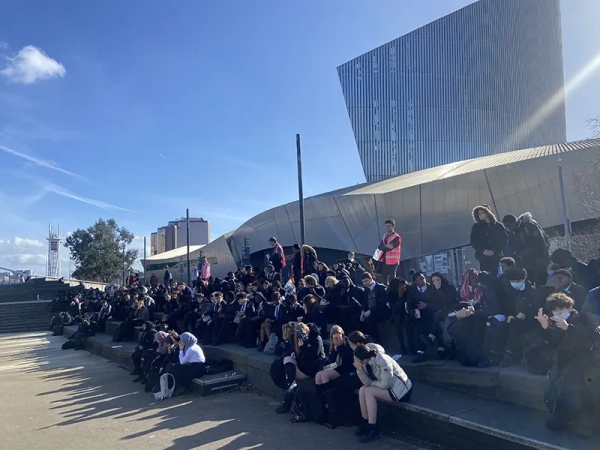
[(118, 335), (271, 344), (277, 373), (69, 345), (218, 365), (164, 390)]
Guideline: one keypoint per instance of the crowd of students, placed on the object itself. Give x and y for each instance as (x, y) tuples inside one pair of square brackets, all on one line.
[(516, 311)]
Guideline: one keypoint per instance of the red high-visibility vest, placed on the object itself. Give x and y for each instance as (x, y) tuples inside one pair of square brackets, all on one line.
[(205, 271), (279, 249), (392, 257)]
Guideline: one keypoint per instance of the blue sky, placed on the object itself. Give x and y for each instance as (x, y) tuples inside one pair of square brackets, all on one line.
[(136, 110)]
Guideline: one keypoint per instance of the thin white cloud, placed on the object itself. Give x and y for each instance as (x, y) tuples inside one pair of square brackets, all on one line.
[(98, 203), (3, 45), (30, 65), (40, 162), (162, 156)]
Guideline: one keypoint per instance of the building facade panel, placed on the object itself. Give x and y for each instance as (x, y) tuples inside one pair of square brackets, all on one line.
[(468, 85)]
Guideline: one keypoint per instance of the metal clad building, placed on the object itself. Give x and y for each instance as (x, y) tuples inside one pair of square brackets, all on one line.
[(432, 207), (485, 79)]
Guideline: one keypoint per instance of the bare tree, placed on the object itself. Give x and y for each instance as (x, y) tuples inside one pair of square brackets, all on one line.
[(594, 126)]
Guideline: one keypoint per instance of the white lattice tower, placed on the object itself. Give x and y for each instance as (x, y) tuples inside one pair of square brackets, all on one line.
[(54, 241)]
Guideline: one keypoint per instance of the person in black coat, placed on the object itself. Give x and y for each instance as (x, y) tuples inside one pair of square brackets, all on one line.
[(309, 261), (571, 389), (246, 329), (341, 359), (349, 303), (421, 307), (563, 282), (292, 309), (564, 259), (374, 309), (308, 355), (477, 324), (296, 264), (314, 314), (530, 246), (397, 297), (521, 308), (488, 238), (146, 347)]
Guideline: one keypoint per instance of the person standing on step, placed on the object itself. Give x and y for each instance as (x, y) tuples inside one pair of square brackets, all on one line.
[(488, 238), (390, 251)]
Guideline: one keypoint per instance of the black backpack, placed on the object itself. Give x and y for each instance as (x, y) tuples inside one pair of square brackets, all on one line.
[(218, 365), (118, 335)]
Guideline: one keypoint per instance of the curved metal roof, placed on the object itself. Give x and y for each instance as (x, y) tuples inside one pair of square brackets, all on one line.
[(460, 168)]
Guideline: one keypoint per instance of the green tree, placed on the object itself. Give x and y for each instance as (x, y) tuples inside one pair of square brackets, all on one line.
[(98, 251)]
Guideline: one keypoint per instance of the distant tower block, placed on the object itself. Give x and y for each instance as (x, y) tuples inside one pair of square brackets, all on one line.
[(54, 240)]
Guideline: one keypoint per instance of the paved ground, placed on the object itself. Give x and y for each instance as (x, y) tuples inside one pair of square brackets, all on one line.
[(54, 399)]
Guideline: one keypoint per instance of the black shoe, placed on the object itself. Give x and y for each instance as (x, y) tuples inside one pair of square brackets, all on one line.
[(362, 429), (371, 435), (508, 361), (284, 408), (432, 348), (557, 423), (419, 358), (138, 379)]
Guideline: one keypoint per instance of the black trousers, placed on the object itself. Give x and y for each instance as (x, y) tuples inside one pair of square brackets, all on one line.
[(185, 373), (387, 272), (489, 264)]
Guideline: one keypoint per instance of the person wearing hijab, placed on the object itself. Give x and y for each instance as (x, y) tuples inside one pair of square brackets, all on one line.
[(191, 363)]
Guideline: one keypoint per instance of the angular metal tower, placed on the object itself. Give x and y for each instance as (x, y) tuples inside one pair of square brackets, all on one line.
[(483, 80), (54, 241)]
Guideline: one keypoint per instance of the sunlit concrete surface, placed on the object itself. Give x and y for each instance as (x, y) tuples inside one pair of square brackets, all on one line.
[(56, 399)]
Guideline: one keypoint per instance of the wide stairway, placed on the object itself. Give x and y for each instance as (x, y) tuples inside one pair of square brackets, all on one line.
[(454, 406), (26, 306), (24, 316)]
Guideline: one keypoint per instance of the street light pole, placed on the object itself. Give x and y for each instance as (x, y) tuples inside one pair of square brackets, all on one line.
[(563, 200), (187, 225), (123, 271), (300, 189)]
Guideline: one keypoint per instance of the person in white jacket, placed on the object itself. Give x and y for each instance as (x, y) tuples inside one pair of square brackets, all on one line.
[(191, 362), (383, 379)]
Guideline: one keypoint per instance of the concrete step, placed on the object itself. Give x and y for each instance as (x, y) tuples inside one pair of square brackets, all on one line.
[(102, 345), (452, 419)]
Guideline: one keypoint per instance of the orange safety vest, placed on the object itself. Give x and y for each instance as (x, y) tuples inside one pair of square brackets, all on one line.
[(392, 257), (205, 271)]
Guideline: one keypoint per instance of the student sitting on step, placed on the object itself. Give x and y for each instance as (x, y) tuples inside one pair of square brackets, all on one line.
[(575, 371), (191, 363), (146, 349), (383, 379)]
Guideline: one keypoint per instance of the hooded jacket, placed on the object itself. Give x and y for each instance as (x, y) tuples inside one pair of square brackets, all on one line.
[(163, 342), (530, 242), (487, 235), (191, 352), (387, 375)]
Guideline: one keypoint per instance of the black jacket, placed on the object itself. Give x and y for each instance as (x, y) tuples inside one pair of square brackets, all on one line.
[(380, 305), (414, 296), (488, 235), (309, 266), (530, 244), (312, 353), (147, 338), (291, 313), (344, 357), (397, 302), (527, 302), (352, 296)]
